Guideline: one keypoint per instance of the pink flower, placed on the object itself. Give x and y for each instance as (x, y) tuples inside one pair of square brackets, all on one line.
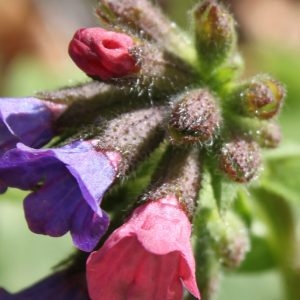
[(147, 258), (103, 54)]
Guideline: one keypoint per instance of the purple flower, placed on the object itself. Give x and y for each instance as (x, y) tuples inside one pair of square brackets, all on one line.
[(59, 286), (27, 120), (67, 186)]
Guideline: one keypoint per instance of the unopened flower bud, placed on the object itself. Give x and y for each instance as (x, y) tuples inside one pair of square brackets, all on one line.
[(103, 54), (149, 21), (215, 33), (269, 136), (195, 118), (262, 97), (240, 159), (234, 241)]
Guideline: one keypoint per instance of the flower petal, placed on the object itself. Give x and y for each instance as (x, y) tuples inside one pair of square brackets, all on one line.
[(147, 258), (27, 120), (67, 186), (87, 227)]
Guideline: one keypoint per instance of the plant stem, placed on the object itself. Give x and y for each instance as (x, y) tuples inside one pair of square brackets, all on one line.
[(291, 279)]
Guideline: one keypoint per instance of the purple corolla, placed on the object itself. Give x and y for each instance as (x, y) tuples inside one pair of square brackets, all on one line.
[(27, 120), (62, 285), (67, 185)]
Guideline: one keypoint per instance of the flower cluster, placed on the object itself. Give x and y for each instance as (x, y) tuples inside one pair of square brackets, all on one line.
[(153, 88)]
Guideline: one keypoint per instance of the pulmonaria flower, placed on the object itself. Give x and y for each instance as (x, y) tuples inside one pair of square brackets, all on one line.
[(153, 88), (149, 257), (60, 286), (68, 183), (27, 120), (103, 54), (67, 186)]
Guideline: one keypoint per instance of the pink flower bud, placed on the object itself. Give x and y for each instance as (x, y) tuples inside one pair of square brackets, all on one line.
[(263, 97), (240, 159), (103, 54)]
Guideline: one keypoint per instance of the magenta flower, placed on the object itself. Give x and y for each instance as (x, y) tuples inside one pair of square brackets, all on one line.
[(27, 120), (149, 257), (67, 186), (103, 54), (59, 286)]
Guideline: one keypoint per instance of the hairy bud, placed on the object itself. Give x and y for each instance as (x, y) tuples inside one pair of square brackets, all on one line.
[(103, 54), (195, 118), (234, 242), (215, 33), (149, 21), (262, 97), (240, 159), (269, 135)]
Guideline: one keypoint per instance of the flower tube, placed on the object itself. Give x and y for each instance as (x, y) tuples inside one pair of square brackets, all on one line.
[(150, 255)]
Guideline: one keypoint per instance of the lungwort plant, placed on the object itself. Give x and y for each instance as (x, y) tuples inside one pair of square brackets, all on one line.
[(157, 165)]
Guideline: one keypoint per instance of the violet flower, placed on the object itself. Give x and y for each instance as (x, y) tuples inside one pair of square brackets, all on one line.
[(27, 120), (67, 186), (59, 286)]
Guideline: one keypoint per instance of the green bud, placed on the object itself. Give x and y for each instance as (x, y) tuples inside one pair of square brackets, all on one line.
[(195, 117), (215, 34), (267, 134), (234, 241), (240, 159), (270, 135), (262, 97)]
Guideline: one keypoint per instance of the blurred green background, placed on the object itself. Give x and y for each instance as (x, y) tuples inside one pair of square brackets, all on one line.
[(33, 57)]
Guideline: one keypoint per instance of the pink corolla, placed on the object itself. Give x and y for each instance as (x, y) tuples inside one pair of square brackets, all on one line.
[(103, 54), (147, 258)]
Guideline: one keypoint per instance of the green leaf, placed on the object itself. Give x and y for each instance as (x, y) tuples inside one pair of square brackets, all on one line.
[(243, 206), (260, 257), (278, 216), (282, 173), (224, 192)]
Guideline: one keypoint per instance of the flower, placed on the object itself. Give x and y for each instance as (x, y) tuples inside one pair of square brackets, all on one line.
[(27, 120), (103, 54), (148, 257), (67, 186), (60, 286)]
